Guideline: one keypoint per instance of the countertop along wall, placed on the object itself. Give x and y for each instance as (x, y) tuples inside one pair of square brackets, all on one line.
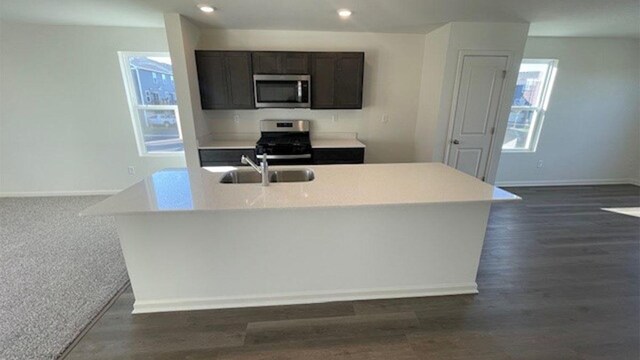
[(65, 126), (393, 65), (591, 133)]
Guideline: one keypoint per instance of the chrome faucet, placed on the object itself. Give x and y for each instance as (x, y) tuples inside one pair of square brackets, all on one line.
[(263, 169)]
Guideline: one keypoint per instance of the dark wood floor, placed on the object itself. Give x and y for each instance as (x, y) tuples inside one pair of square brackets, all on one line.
[(558, 279)]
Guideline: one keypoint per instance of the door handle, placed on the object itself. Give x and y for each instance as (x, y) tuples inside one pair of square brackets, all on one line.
[(455, 141)]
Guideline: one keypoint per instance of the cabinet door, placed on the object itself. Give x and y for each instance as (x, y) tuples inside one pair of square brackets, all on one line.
[(240, 80), (336, 80), (224, 157), (323, 67), (212, 79), (348, 80), (328, 156), (296, 63), (266, 62)]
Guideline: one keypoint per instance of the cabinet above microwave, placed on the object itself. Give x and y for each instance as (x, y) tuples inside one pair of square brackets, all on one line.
[(226, 78), (280, 63)]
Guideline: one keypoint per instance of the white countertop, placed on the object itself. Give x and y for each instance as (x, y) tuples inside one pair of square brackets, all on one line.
[(336, 143), (173, 190), (248, 141)]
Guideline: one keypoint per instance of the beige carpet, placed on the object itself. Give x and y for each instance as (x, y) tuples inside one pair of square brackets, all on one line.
[(57, 270)]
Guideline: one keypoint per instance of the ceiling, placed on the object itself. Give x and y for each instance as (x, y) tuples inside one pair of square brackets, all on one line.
[(593, 18)]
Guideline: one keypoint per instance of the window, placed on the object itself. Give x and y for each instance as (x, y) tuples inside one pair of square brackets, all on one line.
[(530, 101), (155, 118)]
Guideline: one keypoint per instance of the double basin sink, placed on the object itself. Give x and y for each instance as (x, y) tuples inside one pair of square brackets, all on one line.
[(275, 176)]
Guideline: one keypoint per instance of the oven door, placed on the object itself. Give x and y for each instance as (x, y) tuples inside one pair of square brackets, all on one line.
[(282, 91)]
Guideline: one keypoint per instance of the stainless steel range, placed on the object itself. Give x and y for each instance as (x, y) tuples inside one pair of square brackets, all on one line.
[(286, 142)]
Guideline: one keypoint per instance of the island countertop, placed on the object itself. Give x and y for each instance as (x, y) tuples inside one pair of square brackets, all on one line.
[(182, 190)]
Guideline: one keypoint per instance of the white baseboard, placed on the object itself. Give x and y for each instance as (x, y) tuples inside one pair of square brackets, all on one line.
[(151, 306), (57, 193), (568, 182)]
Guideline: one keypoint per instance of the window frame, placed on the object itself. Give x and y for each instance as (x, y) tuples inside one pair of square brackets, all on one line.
[(135, 108), (540, 111)]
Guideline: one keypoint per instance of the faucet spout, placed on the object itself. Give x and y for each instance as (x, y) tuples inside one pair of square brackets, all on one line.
[(263, 169), (245, 160)]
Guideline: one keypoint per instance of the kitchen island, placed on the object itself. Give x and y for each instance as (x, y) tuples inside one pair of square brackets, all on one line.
[(353, 232)]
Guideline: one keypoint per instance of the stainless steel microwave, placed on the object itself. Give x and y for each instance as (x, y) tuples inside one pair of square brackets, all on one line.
[(282, 91)]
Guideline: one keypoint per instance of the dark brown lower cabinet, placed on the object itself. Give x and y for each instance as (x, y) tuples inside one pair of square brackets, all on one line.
[(327, 156), (225, 157), (323, 156)]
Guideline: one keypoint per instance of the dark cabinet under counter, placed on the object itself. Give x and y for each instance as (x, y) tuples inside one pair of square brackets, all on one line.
[(319, 156), (334, 156), (225, 157)]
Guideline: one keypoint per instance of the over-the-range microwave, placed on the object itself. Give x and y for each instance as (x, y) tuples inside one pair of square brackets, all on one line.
[(282, 91)]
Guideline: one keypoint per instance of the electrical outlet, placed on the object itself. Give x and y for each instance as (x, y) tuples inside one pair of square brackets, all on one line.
[(385, 118), (334, 118), (131, 170), (539, 164), (236, 118)]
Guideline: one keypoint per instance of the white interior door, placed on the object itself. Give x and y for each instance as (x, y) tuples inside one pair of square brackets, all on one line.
[(480, 84)]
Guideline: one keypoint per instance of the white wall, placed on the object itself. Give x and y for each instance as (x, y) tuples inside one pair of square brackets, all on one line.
[(183, 37), (442, 51), (433, 69), (393, 64), (592, 128), (65, 125)]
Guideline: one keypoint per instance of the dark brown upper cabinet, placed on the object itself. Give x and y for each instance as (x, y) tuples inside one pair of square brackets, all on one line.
[(225, 79), (336, 80), (280, 62)]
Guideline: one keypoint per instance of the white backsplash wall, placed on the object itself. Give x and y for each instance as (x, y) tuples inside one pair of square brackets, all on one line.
[(393, 65), (248, 121)]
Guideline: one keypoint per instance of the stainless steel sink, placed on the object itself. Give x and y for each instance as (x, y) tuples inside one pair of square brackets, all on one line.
[(296, 175), (241, 177), (275, 176)]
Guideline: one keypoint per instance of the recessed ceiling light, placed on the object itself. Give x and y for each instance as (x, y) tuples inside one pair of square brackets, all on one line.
[(344, 13), (206, 8)]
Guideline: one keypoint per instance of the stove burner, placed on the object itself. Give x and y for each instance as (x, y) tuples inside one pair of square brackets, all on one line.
[(279, 142)]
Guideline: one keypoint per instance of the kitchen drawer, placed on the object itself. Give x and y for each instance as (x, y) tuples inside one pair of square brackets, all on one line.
[(326, 156), (225, 157)]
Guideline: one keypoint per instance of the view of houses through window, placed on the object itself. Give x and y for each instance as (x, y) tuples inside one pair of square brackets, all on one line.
[(530, 100), (152, 101)]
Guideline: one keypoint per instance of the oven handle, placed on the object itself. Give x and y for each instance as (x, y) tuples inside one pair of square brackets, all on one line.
[(286, 157)]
